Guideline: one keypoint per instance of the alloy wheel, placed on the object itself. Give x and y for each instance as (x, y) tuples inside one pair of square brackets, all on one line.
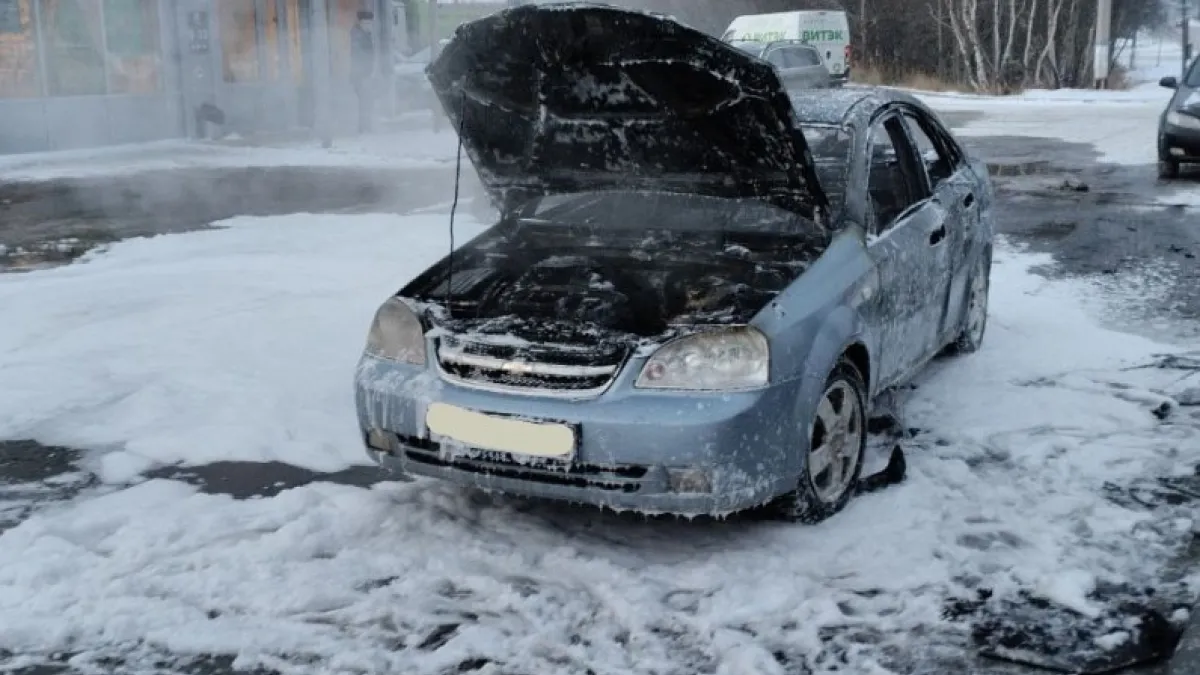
[(836, 442)]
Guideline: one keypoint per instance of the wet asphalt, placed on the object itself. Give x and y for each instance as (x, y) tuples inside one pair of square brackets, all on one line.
[(1054, 197)]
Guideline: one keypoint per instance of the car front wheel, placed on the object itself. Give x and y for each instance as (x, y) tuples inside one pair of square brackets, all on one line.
[(837, 443), (1168, 169)]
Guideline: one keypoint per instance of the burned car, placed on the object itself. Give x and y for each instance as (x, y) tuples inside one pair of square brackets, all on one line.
[(670, 315)]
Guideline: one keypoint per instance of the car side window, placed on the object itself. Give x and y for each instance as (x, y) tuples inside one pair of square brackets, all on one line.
[(937, 164), (891, 184), (801, 57), (775, 57)]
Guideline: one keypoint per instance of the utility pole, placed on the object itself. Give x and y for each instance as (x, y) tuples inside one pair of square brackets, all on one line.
[(1101, 57)]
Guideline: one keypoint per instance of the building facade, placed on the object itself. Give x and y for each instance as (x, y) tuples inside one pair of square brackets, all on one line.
[(85, 73)]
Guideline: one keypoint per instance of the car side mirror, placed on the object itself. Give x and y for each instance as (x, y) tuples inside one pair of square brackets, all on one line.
[(1169, 83)]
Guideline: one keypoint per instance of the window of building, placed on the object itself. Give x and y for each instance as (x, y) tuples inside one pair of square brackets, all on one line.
[(88, 47), (345, 15), (296, 56), (134, 53), (272, 29), (18, 50), (73, 37), (239, 43)]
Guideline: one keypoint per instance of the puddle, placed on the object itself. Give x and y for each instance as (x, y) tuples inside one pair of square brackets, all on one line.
[(48, 223)]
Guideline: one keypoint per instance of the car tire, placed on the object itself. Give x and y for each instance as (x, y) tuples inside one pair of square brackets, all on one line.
[(1168, 169), (814, 499), (975, 308)]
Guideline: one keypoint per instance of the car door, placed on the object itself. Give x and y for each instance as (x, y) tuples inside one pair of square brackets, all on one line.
[(907, 243), (953, 187)]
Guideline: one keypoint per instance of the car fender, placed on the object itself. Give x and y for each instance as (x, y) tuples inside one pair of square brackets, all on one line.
[(812, 322), (836, 332)]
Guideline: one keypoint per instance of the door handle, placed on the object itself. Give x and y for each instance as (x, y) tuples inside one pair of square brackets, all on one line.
[(969, 200), (937, 236)]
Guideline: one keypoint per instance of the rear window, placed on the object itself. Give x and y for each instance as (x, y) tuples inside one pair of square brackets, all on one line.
[(801, 57)]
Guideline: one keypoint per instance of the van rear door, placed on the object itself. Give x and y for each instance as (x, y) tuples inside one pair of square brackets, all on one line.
[(829, 32)]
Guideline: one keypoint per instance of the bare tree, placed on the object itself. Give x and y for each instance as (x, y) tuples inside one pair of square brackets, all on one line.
[(986, 45)]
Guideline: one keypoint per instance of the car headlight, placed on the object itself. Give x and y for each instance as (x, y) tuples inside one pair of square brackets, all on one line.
[(1178, 119), (720, 360), (396, 334)]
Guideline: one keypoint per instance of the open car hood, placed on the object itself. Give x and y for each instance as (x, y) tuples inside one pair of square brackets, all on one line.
[(571, 97)]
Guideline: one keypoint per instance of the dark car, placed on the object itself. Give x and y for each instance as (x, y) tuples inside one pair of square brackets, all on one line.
[(1179, 126), (670, 314), (799, 64)]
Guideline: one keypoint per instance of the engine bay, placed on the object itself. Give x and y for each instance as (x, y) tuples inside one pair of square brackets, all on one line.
[(637, 283)]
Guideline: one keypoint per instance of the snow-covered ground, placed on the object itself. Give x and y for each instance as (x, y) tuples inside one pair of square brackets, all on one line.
[(402, 149), (239, 344), (1123, 132), (1122, 124), (201, 333)]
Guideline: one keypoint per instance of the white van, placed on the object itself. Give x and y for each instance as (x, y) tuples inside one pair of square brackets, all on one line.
[(828, 31)]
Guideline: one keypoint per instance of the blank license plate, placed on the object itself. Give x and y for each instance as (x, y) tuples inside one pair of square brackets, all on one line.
[(500, 434)]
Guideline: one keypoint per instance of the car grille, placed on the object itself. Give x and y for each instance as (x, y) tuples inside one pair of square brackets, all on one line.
[(571, 371), (625, 478)]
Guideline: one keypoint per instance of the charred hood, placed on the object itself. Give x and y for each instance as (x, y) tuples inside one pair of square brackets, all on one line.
[(548, 283), (564, 98)]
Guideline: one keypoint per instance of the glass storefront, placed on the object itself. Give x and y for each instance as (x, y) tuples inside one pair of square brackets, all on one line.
[(344, 14), (83, 47), (18, 50), (134, 51), (240, 40)]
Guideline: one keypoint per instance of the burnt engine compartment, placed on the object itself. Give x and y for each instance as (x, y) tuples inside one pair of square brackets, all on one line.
[(524, 279)]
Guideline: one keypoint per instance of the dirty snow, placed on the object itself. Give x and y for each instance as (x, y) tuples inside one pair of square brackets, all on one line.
[(240, 344)]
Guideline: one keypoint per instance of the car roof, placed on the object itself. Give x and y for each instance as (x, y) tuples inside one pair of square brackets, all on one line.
[(838, 106), (774, 43), (792, 43)]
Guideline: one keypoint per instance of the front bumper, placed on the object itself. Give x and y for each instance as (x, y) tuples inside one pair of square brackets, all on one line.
[(636, 450), (1179, 144)]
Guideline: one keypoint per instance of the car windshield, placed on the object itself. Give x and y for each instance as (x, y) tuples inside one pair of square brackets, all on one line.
[(751, 48), (830, 146), (623, 210)]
